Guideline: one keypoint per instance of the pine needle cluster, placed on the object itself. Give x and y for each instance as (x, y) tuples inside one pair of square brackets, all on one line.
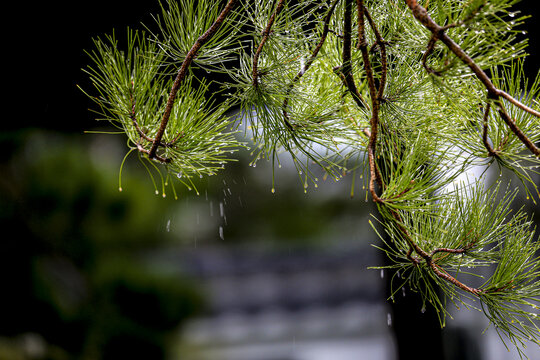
[(422, 92)]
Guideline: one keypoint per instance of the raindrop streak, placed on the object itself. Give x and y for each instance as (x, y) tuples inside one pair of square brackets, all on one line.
[(169, 225), (389, 319), (382, 273), (221, 233), (211, 208)]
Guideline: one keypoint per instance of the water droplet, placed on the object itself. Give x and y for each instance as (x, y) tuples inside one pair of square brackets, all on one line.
[(164, 195), (157, 192), (120, 189), (423, 309), (273, 190)]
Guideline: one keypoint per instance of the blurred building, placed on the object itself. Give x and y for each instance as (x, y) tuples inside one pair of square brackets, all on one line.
[(264, 304)]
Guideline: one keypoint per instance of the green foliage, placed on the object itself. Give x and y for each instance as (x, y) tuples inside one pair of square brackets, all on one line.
[(77, 271), (133, 92), (182, 22), (422, 93)]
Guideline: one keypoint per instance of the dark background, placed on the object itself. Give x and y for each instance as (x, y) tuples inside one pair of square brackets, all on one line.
[(49, 38)]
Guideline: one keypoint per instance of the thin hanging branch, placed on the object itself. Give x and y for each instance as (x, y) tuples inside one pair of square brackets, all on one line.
[(428, 258), (487, 145), (421, 14), (429, 49), (265, 36), (308, 63), (382, 49), (203, 39), (345, 70), (375, 95), (516, 130)]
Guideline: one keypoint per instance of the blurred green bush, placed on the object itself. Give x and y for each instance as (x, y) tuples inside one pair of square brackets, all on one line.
[(72, 255)]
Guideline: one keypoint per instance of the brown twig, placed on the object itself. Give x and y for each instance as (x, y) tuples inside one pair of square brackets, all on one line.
[(308, 63), (487, 145), (265, 36), (375, 94), (335, 33), (133, 116), (428, 257), (444, 275), (516, 130), (429, 50), (203, 39), (382, 49), (423, 17), (137, 127), (345, 70), (157, 157)]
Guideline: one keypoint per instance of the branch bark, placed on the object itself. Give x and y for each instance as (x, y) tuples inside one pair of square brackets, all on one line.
[(203, 39), (266, 35), (309, 61), (421, 14)]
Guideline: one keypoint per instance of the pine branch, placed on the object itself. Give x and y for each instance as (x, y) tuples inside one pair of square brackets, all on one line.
[(417, 114), (265, 36), (308, 63), (438, 32), (182, 72)]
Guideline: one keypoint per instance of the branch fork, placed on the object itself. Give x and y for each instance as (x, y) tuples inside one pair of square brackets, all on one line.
[(438, 33)]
